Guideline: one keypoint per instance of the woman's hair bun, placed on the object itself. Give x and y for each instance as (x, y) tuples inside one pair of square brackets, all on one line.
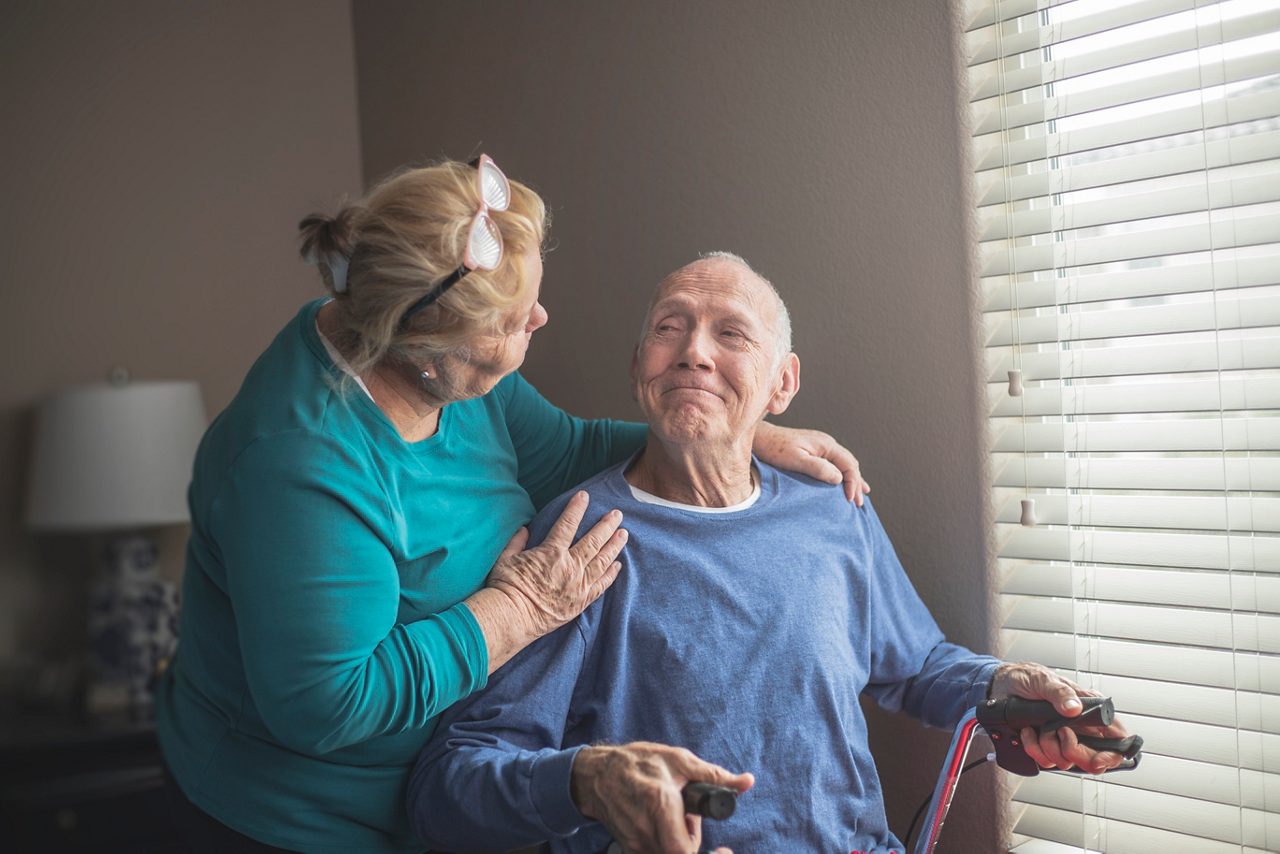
[(324, 236)]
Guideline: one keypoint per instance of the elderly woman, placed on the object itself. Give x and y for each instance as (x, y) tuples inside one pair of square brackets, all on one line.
[(351, 570)]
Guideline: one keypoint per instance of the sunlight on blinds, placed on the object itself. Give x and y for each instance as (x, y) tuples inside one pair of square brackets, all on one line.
[(1127, 176)]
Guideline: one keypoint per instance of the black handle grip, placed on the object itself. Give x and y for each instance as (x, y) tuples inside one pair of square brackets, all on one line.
[(1019, 713), (710, 800)]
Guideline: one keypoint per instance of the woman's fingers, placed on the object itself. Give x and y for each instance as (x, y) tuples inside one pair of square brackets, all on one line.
[(597, 540), (561, 534), (602, 583), (600, 564)]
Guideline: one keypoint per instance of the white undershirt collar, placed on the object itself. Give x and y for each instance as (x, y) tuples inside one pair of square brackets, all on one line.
[(649, 498)]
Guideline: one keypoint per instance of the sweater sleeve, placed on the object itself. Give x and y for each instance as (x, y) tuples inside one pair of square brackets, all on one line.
[(913, 668), (493, 775), (315, 592), (556, 451)]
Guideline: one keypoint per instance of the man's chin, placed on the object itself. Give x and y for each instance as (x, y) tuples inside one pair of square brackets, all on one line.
[(687, 426)]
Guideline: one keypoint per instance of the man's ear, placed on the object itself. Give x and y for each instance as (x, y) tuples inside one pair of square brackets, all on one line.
[(788, 385)]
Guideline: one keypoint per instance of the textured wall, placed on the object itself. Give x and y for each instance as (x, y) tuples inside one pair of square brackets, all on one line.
[(157, 158), (823, 141)]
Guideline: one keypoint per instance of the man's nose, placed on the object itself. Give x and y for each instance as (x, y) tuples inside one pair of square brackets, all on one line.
[(697, 352)]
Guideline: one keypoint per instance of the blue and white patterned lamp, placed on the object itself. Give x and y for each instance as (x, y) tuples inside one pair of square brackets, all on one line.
[(116, 458)]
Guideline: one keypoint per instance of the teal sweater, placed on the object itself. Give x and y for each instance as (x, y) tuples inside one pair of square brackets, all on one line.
[(323, 628)]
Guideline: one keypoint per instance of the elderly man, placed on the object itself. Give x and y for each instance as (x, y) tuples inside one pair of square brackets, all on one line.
[(753, 607)]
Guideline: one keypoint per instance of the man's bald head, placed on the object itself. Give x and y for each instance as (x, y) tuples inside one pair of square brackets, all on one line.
[(714, 264)]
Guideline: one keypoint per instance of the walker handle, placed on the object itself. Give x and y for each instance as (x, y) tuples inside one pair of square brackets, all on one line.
[(1005, 719)]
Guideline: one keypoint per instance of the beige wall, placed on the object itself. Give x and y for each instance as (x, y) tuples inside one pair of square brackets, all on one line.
[(156, 159), (819, 139), (157, 156)]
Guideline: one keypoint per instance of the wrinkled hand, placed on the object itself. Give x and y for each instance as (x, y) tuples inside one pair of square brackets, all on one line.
[(1060, 749), (552, 583), (812, 453), (634, 790)]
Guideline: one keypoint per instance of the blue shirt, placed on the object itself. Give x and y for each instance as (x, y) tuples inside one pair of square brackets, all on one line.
[(746, 637), (323, 624)]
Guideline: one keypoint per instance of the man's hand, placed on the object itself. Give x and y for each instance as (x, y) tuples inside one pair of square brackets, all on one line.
[(812, 453), (1060, 749), (634, 790)]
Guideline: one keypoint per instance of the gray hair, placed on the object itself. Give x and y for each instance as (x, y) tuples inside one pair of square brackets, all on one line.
[(782, 325)]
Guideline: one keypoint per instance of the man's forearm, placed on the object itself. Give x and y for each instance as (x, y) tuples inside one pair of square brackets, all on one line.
[(492, 797), (952, 681)]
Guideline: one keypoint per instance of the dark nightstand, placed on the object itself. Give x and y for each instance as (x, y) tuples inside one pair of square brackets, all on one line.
[(68, 786)]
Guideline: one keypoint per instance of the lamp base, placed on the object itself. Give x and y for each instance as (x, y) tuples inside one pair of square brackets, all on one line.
[(133, 615)]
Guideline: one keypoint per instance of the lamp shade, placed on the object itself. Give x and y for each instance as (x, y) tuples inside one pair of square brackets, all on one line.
[(114, 456)]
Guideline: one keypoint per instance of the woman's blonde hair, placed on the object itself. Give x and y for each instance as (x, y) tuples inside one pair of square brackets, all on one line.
[(405, 236)]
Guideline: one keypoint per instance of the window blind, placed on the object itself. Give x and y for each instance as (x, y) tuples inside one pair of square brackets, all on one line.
[(1127, 177)]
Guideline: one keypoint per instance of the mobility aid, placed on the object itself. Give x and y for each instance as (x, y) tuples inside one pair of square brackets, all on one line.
[(1003, 721)]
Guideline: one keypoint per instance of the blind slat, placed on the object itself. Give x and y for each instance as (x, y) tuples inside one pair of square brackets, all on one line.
[(982, 13), (1252, 184), (1230, 228), (1251, 474), (1182, 156), (1204, 749), (1243, 671), (1011, 36), (1137, 434), (1173, 775), (1210, 395), (1067, 830), (1166, 625), (1258, 592), (1172, 358), (995, 150), (1219, 271), (1249, 553), (1214, 513), (1189, 816), (1018, 72), (1198, 313), (1031, 107)]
